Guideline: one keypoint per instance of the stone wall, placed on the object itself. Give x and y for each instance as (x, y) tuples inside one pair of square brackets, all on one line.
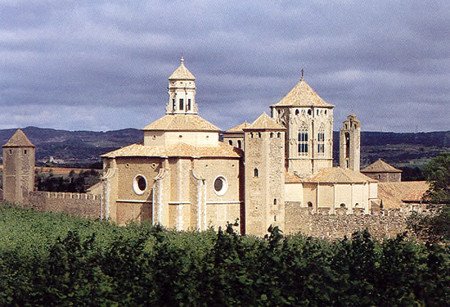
[(76, 204), (322, 224), (384, 177)]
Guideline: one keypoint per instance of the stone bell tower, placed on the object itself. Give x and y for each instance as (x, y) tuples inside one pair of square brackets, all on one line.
[(181, 91), (264, 175), (18, 168), (350, 143)]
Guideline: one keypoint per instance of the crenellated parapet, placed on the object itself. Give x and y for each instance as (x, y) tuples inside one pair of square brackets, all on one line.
[(76, 204), (64, 195)]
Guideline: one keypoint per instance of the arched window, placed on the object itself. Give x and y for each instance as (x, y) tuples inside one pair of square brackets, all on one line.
[(279, 135), (274, 201), (310, 205), (181, 104), (230, 142), (321, 140), (271, 135), (297, 112), (342, 205), (303, 140), (259, 134), (347, 145), (189, 105), (239, 144), (255, 173), (174, 105)]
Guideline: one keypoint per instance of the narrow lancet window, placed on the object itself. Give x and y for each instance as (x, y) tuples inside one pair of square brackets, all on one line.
[(181, 104), (303, 141)]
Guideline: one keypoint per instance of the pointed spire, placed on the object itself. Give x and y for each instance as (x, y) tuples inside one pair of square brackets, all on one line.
[(19, 139), (182, 73), (302, 95)]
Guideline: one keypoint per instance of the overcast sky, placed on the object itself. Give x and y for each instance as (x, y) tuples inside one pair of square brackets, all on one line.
[(103, 65)]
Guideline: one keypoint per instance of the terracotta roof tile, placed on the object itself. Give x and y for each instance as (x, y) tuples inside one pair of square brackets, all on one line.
[(380, 166), (181, 122), (264, 122), (302, 95), (178, 150), (338, 175), (19, 139), (292, 178), (393, 194), (238, 128)]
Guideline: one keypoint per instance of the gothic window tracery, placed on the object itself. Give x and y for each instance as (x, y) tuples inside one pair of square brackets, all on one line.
[(303, 140), (321, 140)]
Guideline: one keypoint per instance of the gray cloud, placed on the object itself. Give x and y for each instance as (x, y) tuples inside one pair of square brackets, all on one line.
[(104, 64)]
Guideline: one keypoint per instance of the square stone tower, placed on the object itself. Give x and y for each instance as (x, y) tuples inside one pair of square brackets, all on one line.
[(264, 175), (18, 168), (350, 143), (309, 129)]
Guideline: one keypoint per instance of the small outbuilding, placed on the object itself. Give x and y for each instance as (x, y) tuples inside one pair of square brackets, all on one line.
[(383, 172)]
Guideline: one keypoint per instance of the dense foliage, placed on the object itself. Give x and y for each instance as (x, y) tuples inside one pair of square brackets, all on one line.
[(437, 173), (51, 259), (435, 227), (72, 183)]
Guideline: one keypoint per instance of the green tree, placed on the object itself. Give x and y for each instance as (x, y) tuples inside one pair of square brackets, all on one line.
[(437, 173)]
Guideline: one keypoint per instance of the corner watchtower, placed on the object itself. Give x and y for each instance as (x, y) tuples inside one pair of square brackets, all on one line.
[(350, 143), (264, 175), (18, 167)]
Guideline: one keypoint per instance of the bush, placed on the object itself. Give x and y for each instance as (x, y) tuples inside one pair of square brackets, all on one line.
[(73, 261)]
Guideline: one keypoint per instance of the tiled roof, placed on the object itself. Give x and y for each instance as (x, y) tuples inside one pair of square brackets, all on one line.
[(178, 150), (182, 73), (96, 188), (302, 95), (393, 194), (380, 166), (181, 122), (264, 122), (292, 178), (19, 139), (338, 175), (238, 128)]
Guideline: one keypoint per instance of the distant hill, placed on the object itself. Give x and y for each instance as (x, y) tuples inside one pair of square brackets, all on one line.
[(399, 149), (84, 147), (75, 147)]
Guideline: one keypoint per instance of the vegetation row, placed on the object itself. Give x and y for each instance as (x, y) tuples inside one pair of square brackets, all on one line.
[(52, 259)]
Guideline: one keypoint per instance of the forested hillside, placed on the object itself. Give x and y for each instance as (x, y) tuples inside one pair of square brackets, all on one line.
[(84, 147)]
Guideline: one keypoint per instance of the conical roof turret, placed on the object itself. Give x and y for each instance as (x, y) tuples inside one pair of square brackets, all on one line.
[(19, 139), (302, 95), (182, 73)]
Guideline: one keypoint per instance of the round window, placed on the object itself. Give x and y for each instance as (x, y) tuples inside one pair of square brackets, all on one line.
[(220, 185), (139, 184)]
